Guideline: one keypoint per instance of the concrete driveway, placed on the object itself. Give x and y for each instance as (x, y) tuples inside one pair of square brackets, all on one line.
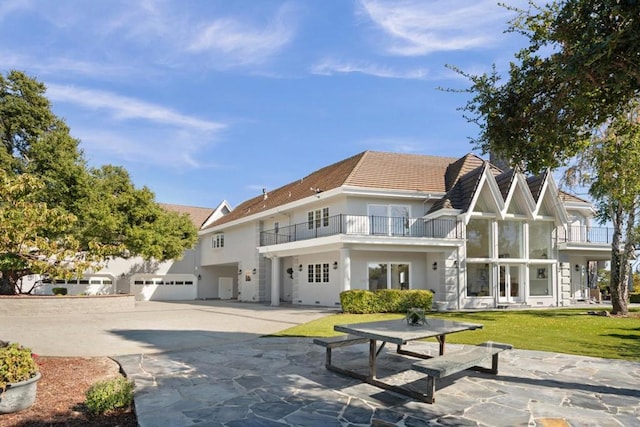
[(153, 327)]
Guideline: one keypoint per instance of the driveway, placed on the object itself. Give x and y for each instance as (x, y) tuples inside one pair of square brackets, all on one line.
[(153, 327), (200, 363)]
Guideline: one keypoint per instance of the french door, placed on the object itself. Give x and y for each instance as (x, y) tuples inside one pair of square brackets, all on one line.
[(510, 283), (389, 220)]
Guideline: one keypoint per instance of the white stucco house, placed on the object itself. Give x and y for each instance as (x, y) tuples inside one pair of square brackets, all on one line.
[(478, 236)]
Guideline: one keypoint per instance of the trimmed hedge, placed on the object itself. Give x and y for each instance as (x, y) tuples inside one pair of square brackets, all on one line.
[(634, 298), (59, 291), (359, 301)]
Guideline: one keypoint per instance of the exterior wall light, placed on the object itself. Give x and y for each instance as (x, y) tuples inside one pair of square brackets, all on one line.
[(335, 265), (434, 266), (239, 272), (254, 271), (577, 268), (300, 267)]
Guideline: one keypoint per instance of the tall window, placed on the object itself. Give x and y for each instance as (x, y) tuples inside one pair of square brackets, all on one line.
[(478, 238), (540, 280), (388, 276), (389, 219), (510, 239), (478, 280), (217, 241), (377, 276), (540, 240)]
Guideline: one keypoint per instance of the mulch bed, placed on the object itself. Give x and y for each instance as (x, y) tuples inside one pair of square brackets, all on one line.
[(61, 395)]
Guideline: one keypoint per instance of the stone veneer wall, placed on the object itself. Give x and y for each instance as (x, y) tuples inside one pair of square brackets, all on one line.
[(51, 305)]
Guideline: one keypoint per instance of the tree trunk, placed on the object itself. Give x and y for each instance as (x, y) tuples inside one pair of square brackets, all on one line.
[(620, 257), (8, 283)]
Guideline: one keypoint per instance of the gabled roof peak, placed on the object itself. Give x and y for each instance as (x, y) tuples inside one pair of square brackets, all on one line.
[(461, 167), (197, 215)]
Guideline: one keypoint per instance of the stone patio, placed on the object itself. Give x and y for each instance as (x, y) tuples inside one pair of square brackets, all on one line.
[(283, 382)]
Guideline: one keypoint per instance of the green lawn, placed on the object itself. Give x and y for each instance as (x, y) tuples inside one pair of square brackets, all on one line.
[(562, 330)]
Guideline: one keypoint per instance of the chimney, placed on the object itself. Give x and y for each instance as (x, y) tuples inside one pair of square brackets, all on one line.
[(499, 161)]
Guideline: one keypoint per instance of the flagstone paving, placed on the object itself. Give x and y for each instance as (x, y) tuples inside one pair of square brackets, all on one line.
[(282, 382)]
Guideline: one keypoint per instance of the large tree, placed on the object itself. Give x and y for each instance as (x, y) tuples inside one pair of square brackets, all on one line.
[(58, 215), (579, 73), (609, 167), (35, 237)]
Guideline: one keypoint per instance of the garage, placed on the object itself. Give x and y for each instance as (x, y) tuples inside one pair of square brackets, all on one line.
[(165, 287)]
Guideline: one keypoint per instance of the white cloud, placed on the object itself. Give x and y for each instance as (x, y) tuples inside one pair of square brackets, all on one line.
[(66, 66), (330, 67), (165, 148), (124, 108), (125, 129), (419, 27), (153, 35), (242, 42)]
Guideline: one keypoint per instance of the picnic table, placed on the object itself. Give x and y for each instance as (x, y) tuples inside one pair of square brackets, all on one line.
[(400, 333)]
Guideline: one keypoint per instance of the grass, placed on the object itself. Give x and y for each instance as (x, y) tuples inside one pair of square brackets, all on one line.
[(570, 331)]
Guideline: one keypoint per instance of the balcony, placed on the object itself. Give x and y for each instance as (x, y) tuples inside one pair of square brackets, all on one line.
[(580, 234), (363, 225)]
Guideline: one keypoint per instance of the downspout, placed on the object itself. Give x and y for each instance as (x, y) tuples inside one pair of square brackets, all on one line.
[(458, 270)]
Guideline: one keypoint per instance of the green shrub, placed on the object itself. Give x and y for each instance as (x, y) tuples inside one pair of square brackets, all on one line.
[(108, 395), (388, 300), (16, 364), (634, 298), (359, 301), (416, 298), (59, 291)]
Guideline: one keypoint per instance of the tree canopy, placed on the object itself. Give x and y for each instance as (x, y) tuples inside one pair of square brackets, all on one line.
[(581, 67), (57, 215)]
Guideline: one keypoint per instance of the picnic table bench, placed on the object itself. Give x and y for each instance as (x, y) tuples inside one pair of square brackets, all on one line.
[(451, 363), (336, 342)]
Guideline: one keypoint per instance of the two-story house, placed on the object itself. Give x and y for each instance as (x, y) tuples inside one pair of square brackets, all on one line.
[(479, 237)]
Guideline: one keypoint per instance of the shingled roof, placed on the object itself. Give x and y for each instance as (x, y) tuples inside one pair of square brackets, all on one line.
[(369, 169), (456, 178), (536, 184), (463, 177), (198, 215)]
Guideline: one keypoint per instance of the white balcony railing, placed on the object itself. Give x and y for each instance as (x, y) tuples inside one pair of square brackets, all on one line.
[(364, 225)]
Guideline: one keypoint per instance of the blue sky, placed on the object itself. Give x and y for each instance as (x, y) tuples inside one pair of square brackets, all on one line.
[(204, 101)]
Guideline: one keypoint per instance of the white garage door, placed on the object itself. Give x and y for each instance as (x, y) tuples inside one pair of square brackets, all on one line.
[(167, 287)]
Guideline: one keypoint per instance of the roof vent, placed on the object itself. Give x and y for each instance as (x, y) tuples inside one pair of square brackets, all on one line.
[(265, 196)]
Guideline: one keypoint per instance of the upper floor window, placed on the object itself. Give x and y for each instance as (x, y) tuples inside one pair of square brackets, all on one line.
[(478, 238), (318, 218), (389, 219), (509, 239), (217, 241), (540, 239)]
